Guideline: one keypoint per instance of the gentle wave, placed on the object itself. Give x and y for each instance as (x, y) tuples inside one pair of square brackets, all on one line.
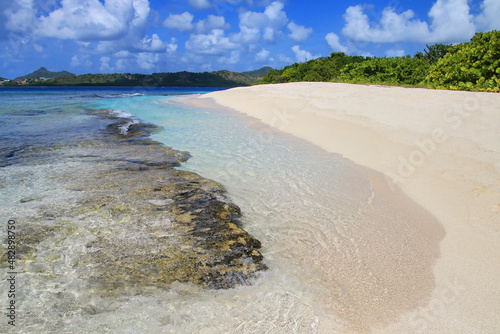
[(124, 128), (120, 113)]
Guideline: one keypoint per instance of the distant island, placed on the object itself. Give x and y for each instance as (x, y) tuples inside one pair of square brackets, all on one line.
[(223, 78), (43, 73)]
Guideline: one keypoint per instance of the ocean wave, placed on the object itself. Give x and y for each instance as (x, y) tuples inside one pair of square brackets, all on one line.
[(124, 128), (112, 96), (120, 114)]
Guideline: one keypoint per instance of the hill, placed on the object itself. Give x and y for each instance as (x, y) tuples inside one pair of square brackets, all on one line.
[(42, 72), (222, 78), (3, 79), (260, 72)]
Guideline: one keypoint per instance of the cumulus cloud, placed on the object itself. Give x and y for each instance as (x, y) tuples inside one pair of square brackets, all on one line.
[(214, 43), (489, 19), (182, 22), (80, 61), (17, 16), (233, 58), (395, 53), (262, 55), (450, 22), (284, 58), (147, 60), (302, 55), (153, 44), (247, 35), (270, 22), (105, 67), (333, 41), (172, 46), (210, 23), (299, 33), (199, 4), (93, 20)]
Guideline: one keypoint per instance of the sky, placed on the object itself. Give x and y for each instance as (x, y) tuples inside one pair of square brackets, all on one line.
[(147, 36)]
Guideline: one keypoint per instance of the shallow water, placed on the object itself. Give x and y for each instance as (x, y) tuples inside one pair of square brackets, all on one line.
[(303, 204)]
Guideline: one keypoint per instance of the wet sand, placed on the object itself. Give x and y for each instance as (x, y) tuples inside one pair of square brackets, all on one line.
[(431, 234)]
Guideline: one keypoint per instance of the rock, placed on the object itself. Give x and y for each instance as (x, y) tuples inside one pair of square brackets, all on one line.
[(146, 223)]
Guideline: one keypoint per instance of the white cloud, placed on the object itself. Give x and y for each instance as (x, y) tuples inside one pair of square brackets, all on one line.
[(122, 64), (302, 55), (299, 33), (122, 54), (92, 20), (391, 28), (284, 58), (214, 43), (147, 60), (210, 23), (199, 4), (395, 53), (450, 22), (105, 67), (247, 35), (333, 41), (232, 59), (182, 22), (270, 22), (80, 61), (172, 46), (489, 19), (18, 16), (153, 44), (262, 55)]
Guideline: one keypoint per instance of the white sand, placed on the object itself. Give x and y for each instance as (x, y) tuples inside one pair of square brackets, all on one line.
[(442, 148)]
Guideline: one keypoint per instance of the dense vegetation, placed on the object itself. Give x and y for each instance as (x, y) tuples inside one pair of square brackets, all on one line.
[(180, 79), (468, 66)]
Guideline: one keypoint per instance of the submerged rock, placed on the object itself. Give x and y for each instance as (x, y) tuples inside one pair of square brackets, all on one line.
[(142, 222)]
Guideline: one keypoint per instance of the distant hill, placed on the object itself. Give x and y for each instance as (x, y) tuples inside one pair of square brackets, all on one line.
[(3, 79), (42, 72), (222, 78), (260, 72)]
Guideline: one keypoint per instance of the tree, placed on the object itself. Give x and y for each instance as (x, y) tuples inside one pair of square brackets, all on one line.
[(470, 66)]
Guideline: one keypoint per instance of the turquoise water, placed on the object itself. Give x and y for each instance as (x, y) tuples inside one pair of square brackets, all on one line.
[(299, 201)]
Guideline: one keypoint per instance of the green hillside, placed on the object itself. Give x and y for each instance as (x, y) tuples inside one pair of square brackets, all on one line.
[(180, 79), (260, 72)]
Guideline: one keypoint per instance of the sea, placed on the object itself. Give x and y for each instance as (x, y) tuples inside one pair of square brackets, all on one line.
[(300, 202)]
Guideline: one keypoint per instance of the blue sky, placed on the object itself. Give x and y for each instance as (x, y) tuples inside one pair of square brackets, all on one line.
[(146, 36)]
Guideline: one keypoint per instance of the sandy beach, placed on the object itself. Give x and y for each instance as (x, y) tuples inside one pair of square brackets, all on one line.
[(433, 158)]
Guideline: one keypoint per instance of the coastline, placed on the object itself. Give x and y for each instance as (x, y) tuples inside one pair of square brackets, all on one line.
[(440, 148)]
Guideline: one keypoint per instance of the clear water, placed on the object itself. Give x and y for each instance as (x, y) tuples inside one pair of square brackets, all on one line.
[(301, 203)]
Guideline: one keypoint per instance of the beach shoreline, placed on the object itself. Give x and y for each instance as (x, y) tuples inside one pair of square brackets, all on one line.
[(440, 148)]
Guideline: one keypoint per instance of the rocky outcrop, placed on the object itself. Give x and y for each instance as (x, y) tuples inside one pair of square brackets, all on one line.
[(142, 221)]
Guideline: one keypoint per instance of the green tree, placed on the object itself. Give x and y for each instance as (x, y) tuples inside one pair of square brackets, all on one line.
[(469, 66)]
